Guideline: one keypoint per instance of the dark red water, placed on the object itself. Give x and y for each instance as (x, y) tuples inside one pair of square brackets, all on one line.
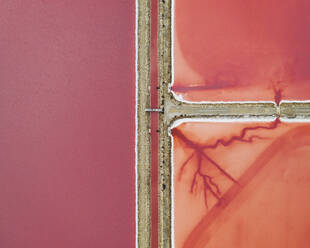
[(67, 123)]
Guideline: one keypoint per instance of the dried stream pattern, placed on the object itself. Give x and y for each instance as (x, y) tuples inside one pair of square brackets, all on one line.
[(240, 50), (200, 151), (229, 174)]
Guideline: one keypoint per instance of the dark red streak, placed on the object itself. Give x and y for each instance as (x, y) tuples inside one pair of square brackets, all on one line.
[(154, 125), (243, 133), (277, 95), (208, 182)]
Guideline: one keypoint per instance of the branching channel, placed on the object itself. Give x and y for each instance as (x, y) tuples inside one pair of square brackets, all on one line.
[(200, 153)]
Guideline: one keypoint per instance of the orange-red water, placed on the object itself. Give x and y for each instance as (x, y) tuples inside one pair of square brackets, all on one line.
[(241, 50), (257, 195)]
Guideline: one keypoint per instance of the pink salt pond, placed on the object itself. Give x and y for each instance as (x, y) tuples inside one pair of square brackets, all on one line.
[(241, 50), (241, 185)]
